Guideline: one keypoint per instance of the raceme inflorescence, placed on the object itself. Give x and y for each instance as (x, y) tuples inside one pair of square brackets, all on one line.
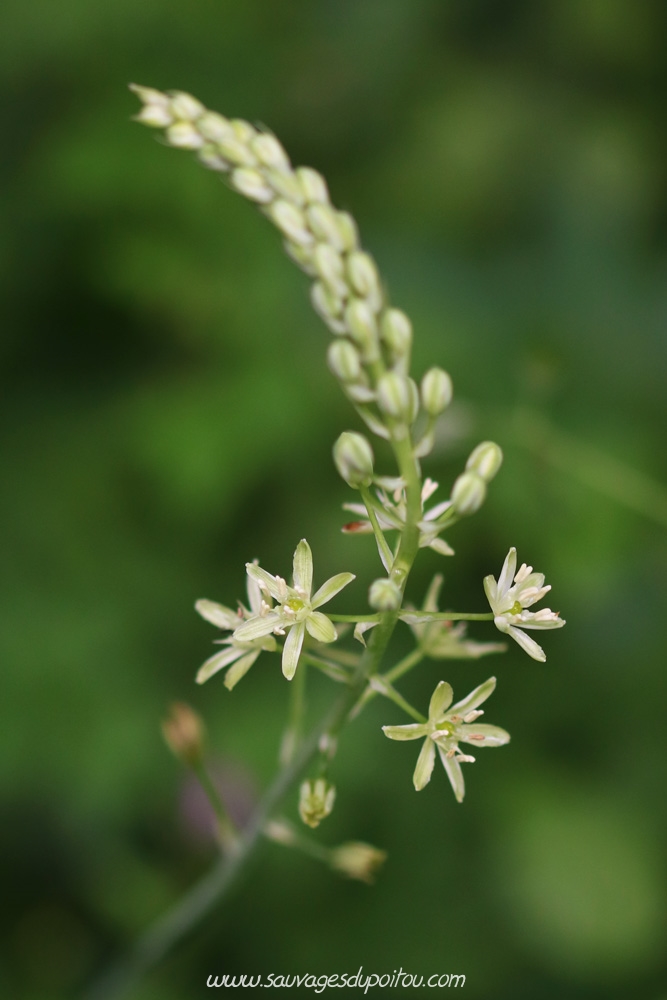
[(369, 355)]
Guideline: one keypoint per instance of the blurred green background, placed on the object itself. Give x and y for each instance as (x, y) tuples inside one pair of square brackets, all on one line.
[(168, 415)]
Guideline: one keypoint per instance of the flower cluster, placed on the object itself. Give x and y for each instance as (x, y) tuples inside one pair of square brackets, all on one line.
[(391, 514), (444, 730), (509, 598)]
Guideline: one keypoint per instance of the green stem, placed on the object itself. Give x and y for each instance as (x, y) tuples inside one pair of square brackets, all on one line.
[(354, 618), (401, 668), (449, 616), (381, 686)]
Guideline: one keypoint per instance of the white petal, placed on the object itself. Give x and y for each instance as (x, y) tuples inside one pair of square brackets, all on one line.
[(507, 573), (239, 669), (292, 649), (440, 545), (256, 627), (320, 627), (492, 736), (362, 627), (441, 699), (424, 768), (332, 587), (217, 614), (454, 773), (527, 644), (275, 585), (303, 568), (217, 662), (491, 591), (413, 731), (475, 698)]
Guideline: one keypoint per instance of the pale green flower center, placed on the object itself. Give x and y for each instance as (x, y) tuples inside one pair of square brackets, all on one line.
[(295, 604)]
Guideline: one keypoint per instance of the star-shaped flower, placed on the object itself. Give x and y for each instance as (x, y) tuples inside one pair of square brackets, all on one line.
[(295, 607), (446, 729), (391, 514), (239, 656), (509, 602)]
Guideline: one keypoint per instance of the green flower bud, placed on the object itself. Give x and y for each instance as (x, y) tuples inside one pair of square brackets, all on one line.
[(183, 135), (347, 228), (290, 220), (316, 801), (285, 184), (363, 275), (313, 185), (211, 158), (250, 183), (353, 456), (214, 126), (397, 396), (234, 150), (329, 306), (485, 460), (330, 268), (302, 256), (243, 130), (185, 107), (323, 222), (436, 391), (468, 493), (361, 323), (344, 361), (269, 152), (384, 595), (155, 115), (396, 330)]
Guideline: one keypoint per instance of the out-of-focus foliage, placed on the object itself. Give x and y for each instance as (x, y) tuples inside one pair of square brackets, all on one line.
[(506, 164)]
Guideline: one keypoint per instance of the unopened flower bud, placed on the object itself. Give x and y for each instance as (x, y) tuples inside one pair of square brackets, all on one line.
[(183, 731), (485, 460), (329, 264), (363, 274), (313, 185), (290, 220), (468, 493), (384, 595), (155, 115), (185, 107), (250, 183), (316, 801), (329, 306), (358, 860), (344, 361), (361, 323), (436, 391), (396, 330), (285, 184), (269, 151), (397, 396), (214, 126), (353, 456), (323, 222), (183, 135)]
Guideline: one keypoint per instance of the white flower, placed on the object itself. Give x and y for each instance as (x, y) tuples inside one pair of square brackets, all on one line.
[(445, 730), (391, 514), (239, 656), (295, 607), (509, 602)]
